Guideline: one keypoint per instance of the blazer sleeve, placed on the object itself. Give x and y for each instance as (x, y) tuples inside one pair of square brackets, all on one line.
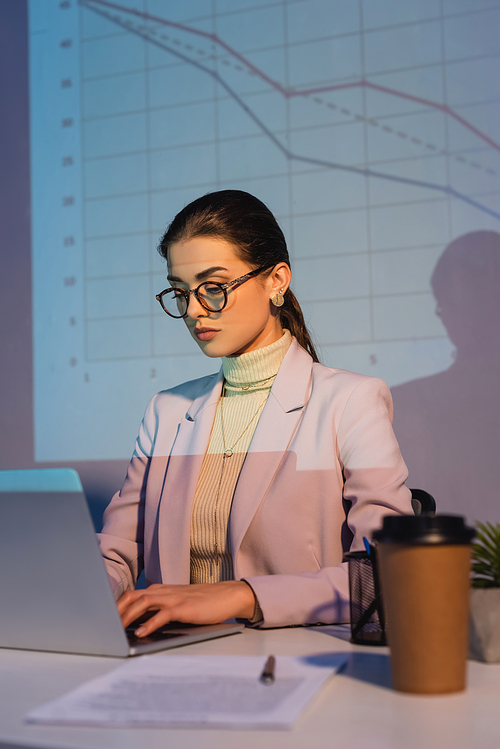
[(122, 538), (374, 474)]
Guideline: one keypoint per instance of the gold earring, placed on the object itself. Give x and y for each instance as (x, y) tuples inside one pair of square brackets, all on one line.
[(278, 300)]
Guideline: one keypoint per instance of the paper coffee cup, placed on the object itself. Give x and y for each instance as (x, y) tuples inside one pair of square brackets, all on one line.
[(424, 565)]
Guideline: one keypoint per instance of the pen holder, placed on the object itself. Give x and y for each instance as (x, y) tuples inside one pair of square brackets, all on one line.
[(367, 613)]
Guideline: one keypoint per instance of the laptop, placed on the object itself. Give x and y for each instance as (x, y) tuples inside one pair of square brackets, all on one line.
[(54, 589)]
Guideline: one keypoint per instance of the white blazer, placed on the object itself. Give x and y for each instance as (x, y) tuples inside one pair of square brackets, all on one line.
[(322, 470)]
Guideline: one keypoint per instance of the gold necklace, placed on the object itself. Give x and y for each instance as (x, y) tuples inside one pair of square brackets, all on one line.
[(252, 386), (227, 452)]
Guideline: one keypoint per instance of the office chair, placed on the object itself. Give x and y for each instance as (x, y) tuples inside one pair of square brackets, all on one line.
[(422, 502)]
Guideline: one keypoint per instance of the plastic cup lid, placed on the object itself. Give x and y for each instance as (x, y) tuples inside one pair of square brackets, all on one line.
[(424, 529)]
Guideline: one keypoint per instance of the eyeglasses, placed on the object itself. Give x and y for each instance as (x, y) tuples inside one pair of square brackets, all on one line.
[(212, 296)]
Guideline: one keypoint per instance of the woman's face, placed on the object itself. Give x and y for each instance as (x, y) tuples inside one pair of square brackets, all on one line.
[(248, 321)]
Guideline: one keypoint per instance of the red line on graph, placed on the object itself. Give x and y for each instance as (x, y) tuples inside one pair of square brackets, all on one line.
[(292, 92)]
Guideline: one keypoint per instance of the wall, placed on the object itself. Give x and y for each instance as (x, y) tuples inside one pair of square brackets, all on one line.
[(368, 128)]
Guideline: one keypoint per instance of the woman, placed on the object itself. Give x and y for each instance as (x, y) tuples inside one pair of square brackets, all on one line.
[(246, 487)]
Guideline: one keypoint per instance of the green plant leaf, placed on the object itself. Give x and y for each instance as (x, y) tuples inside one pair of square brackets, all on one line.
[(485, 541), (481, 553), (489, 534), (485, 566), (481, 582)]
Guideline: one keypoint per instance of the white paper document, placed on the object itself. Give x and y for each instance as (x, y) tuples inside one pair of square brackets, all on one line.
[(182, 690)]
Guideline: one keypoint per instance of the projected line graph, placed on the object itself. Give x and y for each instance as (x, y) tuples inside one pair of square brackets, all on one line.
[(374, 153), (311, 93), (103, 7), (285, 91)]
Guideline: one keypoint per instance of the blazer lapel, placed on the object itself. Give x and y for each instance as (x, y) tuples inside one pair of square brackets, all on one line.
[(182, 473), (277, 424)]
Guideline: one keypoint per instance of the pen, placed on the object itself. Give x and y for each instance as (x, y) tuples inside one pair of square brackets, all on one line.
[(367, 546), (267, 676)]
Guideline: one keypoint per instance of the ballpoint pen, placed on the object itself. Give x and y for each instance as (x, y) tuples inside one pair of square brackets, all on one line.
[(267, 675)]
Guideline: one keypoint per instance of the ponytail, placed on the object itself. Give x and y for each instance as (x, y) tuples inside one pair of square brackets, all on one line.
[(291, 317)]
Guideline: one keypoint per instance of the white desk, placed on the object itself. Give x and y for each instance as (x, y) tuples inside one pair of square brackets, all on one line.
[(356, 710)]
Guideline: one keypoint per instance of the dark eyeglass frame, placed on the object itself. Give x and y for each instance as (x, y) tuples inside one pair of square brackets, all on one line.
[(222, 286)]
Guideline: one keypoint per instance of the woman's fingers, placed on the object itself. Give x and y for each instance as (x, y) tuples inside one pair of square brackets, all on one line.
[(158, 620), (136, 608), (127, 600), (172, 602), (194, 604)]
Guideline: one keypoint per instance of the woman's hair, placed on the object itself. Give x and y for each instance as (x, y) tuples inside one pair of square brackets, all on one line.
[(245, 222)]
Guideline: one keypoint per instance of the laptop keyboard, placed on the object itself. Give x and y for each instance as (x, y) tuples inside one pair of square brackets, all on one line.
[(164, 633)]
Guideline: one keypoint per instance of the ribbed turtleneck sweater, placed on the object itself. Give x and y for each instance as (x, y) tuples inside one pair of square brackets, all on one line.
[(248, 379)]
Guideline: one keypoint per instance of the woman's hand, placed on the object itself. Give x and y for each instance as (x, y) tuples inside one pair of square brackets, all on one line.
[(194, 604)]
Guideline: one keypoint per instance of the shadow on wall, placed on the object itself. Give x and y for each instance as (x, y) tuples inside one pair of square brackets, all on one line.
[(448, 425)]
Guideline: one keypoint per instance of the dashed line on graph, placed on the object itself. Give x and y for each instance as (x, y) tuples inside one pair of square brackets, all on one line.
[(372, 121), (287, 153), (346, 112), (289, 92)]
